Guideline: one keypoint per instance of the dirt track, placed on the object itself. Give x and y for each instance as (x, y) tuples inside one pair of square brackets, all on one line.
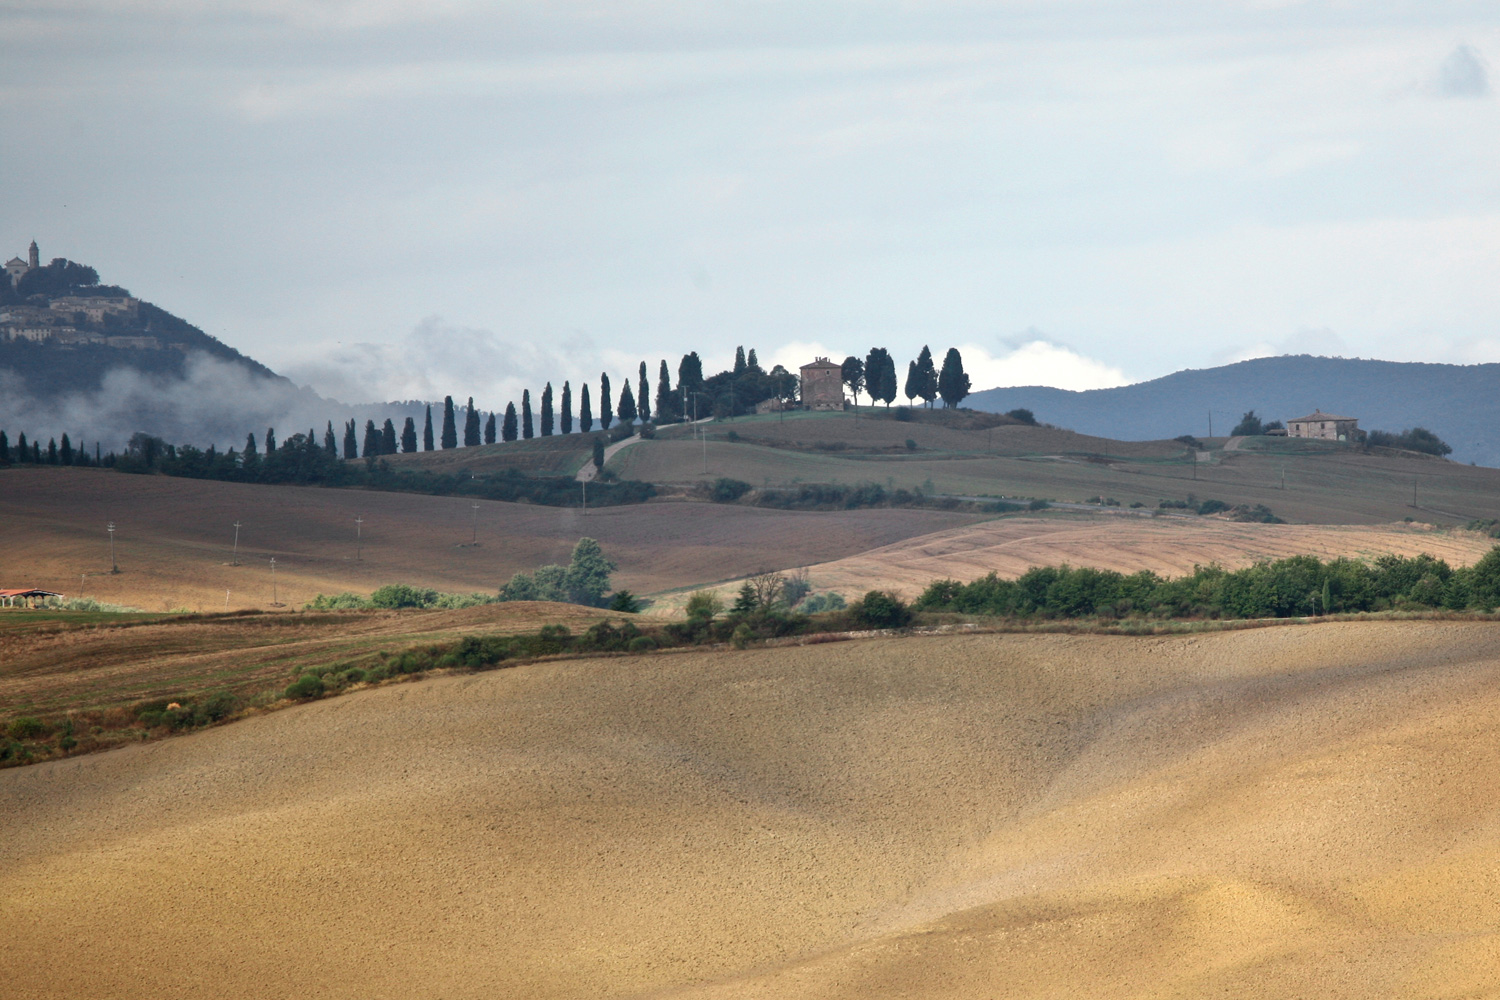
[(1287, 812)]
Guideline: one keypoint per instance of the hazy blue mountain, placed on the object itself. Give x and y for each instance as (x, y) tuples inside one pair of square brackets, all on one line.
[(1459, 403)]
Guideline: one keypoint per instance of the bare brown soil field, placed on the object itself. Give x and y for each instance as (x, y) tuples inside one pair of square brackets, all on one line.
[(554, 455), (1285, 812), (49, 670), (174, 538), (1168, 547)]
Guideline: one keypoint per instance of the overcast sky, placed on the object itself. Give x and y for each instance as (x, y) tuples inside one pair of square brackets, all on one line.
[(391, 200)]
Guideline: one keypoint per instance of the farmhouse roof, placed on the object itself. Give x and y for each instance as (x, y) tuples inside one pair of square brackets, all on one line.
[(28, 592), (1317, 415), (822, 363)]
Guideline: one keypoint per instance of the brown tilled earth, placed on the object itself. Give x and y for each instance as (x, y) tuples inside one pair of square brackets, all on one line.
[(1285, 812), (174, 539)]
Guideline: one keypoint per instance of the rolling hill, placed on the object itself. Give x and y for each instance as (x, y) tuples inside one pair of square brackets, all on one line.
[(1460, 403)]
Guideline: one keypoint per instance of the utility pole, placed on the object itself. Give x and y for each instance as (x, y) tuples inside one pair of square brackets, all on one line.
[(226, 602), (1210, 423), (475, 540), (1413, 491), (359, 536), (275, 601), (114, 566), (1283, 477), (234, 560), (585, 484)]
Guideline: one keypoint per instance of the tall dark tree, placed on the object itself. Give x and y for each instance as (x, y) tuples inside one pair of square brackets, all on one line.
[(489, 429), (585, 412), (913, 387), (739, 362), (270, 440), (388, 438), (599, 454), (427, 430), (471, 426), (927, 378), (526, 429), (330, 441), (853, 374), (65, 453), (409, 436), (24, 453), (953, 384), (372, 440), (875, 374), (4, 449), (690, 371), (450, 425), (508, 429), (547, 410), (752, 363), (36, 453), (606, 411), (643, 396), (627, 405), (567, 409), (666, 399), (351, 441)]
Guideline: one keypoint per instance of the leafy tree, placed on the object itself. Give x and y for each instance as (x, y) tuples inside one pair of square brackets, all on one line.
[(270, 440), (567, 409), (330, 442), (59, 278), (880, 375), (471, 426), (666, 399), (643, 396), (606, 411), (704, 605), (598, 453), (508, 428), (250, 446), (450, 426), (489, 429), (527, 431), (953, 383), (853, 374), (351, 441), (388, 438), (1024, 415), (372, 440), (587, 579), (927, 378), (585, 411), (66, 451), (1249, 425), (427, 430), (1416, 439), (409, 436), (913, 387), (547, 417), (690, 371), (627, 405), (879, 609)]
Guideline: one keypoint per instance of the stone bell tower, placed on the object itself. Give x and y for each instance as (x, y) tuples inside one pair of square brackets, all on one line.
[(35, 256)]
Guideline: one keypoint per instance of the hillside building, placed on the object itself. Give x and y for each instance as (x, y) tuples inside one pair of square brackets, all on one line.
[(15, 267), (823, 385), (1324, 427)]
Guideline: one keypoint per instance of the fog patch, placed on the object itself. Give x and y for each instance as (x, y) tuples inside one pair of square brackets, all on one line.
[(1463, 74)]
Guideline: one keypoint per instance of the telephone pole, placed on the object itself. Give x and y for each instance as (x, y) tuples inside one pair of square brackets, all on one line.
[(359, 536), (114, 566), (475, 540), (234, 560), (275, 601)]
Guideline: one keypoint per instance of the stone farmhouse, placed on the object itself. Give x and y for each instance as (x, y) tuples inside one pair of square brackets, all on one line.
[(1324, 427), (823, 385)]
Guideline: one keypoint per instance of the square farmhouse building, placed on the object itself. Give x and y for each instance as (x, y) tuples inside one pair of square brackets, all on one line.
[(1323, 426), (823, 385)]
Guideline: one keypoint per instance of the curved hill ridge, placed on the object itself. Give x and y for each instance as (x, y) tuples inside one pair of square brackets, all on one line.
[(1460, 403), (1275, 813)]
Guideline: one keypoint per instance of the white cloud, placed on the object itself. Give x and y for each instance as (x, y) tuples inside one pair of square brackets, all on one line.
[(1036, 362)]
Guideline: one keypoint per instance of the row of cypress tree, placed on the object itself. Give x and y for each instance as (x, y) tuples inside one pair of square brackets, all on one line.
[(53, 454), (875, 374)]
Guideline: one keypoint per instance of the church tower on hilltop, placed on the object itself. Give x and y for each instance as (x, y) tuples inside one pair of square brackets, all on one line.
[(35, 256)]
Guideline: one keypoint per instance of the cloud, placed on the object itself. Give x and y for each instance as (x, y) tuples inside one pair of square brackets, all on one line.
[(1036, 361), (1463, 74), (1321, 342)]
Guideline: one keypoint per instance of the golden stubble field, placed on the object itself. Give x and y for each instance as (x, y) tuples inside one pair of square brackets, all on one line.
[(1283, 812), (174, 539)]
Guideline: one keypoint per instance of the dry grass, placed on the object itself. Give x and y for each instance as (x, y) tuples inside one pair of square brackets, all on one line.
[(174, 539), (1290, 812), (555, 455)]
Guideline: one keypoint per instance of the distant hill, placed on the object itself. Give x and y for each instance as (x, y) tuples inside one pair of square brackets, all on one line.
[(1460, 403), (95, 362)]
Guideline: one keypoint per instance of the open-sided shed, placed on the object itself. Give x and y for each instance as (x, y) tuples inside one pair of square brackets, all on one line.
[(27, 597)]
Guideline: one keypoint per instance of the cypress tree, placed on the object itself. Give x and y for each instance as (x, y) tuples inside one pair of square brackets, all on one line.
[(585, 412), (471, 426), (927, 384), (409, 436), (249, 444), (330, 443), (67, 451), (606, 412), (913, 383), (953, 384), (690, 371), (270, 440), (627, 405), (489, 429), (739, 362), (508, 429), (526, 429), (388, 438), (427, 430), (567, 409), (23, 453), (4, 449), (52, 451), (643, 396), (36, 453), (351, 442), (547, 411), (752, 363), (372, 440), (450, 428), (666, 402)]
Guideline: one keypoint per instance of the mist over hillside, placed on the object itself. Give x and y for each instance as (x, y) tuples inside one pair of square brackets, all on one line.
[(1460, 403)]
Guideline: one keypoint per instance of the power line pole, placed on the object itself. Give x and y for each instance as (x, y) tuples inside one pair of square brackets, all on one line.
[(359, 536), (1210, 423), (475, 540), (585, 484), (114, 566), (275, 600), (234, 560)]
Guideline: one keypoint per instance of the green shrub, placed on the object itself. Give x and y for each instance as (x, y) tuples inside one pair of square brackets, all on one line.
[(879, 609), (626, 602), (305, 688), (726, 490), (354, 675), (642, 644), (830, 601), (911, 444), (401, 595), (742, 636), (26, 727), (705, 605), (1212, 507), (217, 707), (1038, 505)]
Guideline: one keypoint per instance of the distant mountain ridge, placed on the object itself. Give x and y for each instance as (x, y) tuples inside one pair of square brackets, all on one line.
[(1459, 403)]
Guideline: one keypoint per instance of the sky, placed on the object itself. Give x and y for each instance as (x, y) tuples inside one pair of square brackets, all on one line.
[(391, 200)]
